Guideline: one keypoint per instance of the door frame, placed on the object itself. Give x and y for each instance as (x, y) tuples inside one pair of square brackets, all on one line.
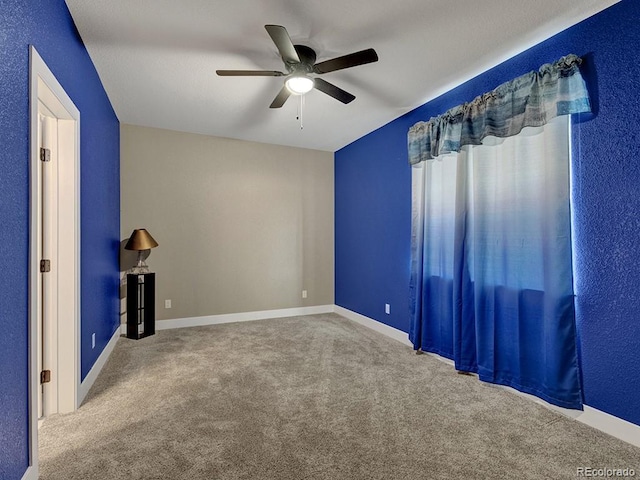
[(45, 88)]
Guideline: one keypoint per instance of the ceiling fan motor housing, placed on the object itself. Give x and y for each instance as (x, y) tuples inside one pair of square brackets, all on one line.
[(307, 60)]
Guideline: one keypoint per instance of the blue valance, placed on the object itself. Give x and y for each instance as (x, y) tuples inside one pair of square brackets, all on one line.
[(531, 100)]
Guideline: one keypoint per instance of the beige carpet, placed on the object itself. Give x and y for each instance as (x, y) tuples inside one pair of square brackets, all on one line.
[(313, 397)]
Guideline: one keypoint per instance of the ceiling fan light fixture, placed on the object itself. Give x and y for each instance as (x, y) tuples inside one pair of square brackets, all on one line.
[(299, 84)]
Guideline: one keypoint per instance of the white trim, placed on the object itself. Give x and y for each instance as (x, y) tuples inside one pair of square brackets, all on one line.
[(31, 473), (380, 327), (61, 105), (68, 186), (610, 424), (237, 317), (614, 426), (91, 377)]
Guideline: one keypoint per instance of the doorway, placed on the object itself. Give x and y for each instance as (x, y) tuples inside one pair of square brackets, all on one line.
[(54, 250)]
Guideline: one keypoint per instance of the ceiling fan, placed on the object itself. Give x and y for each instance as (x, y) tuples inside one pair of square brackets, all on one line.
[(300, 62)]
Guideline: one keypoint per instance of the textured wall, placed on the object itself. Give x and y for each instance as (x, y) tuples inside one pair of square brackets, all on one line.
[(48, 25), (242, 226), (373, 209)]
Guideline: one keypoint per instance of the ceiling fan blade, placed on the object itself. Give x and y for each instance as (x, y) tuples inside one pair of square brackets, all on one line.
[(352, 60), (249, 73), (280, 98), (282, 40), (333, 91)]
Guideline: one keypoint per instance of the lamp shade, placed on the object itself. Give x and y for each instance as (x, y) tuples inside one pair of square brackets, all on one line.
[(140, 240)]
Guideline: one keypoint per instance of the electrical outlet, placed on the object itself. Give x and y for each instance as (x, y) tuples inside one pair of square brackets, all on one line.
[(387, 308), (167, 304), (304, 294), (93, 340)]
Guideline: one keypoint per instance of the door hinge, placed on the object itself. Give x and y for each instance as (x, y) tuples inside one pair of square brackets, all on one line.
[(45, 376), (45, 155), (45, 266)]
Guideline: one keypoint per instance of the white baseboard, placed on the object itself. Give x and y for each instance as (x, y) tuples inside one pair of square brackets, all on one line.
[(91, 377), (614, 426), (31, 473), (380, 327), (237, 317), (610, 424)]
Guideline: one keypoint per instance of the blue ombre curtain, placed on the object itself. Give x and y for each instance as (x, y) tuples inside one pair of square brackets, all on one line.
[(491, 271)]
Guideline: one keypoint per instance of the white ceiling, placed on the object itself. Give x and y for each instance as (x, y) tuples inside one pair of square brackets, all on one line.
[(157, 58)]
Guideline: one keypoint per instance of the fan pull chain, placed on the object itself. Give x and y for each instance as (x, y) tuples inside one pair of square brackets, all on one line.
[(300, 108)]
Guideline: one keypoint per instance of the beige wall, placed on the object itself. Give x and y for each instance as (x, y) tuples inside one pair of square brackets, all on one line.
[(242, 226)]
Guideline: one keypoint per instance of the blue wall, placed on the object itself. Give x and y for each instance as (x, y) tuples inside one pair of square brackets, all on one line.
[(373, 205), (48, 25)]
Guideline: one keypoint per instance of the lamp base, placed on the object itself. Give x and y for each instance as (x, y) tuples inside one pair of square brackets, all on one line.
[(138, 270), (140, 267)]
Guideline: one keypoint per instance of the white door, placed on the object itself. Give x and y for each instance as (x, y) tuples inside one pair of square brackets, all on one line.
[(48, 248)]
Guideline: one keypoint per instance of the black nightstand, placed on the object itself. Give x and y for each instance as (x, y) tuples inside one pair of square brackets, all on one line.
[(141, 305)]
